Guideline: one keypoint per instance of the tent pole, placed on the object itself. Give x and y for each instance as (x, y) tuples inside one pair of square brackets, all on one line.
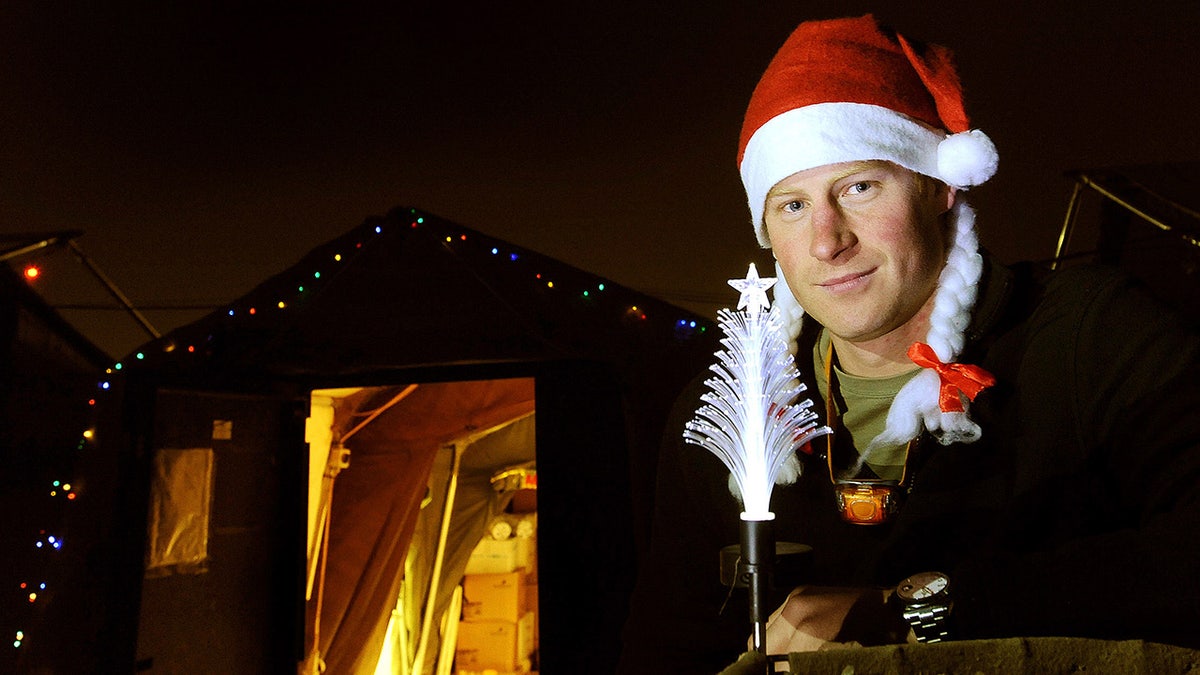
[(1064, 235), (312, 663), (382, 409), (113, 290), (1136, 211), (449, 632), (322, 520), (337, 459), (435, 577)]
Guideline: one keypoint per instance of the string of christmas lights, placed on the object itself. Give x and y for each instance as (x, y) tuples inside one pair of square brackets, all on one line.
[(33, 583), (340, 253)]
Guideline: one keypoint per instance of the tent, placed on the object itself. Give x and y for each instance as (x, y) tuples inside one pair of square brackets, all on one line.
[(460, 345)]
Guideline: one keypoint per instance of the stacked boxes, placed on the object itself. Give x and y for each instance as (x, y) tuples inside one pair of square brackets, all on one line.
[(498, 632), (494, 596), (495, 645)]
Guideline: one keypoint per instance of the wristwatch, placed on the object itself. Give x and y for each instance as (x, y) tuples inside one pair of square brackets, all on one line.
[(925, 604)]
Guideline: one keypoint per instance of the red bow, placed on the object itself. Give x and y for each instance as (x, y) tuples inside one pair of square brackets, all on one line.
[(957, 378)]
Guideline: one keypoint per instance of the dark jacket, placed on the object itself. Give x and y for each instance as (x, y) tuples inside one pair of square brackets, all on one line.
[(1076, 514)]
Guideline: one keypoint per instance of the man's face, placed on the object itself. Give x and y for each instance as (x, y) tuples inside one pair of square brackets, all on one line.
[(861, 244)]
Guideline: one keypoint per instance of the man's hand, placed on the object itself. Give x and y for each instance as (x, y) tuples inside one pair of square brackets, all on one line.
[(815, 617)]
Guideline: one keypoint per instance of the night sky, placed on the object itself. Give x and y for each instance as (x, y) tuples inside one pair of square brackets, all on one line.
[(203, 149)]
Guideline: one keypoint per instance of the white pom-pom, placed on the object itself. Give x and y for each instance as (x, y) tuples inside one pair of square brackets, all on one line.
[(967, 159)]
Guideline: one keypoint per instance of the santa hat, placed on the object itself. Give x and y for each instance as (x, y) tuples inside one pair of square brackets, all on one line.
[(849, 90)]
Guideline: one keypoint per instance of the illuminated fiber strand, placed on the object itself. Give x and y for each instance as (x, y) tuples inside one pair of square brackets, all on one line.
[(752, 418)]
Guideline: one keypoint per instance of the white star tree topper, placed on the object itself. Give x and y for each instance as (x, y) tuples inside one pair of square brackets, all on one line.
[(753, 419), (753, 290)]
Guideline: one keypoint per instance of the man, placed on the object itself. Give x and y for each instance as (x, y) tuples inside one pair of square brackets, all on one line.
[(1013, 453)]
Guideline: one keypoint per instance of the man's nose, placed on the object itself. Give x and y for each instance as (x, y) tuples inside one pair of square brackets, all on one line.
[(831, 234)]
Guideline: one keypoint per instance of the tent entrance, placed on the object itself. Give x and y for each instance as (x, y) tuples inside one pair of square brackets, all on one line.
[(243, 608), (398, 582)]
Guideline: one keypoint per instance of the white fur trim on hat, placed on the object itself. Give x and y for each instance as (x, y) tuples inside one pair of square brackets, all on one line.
[(830, 133)]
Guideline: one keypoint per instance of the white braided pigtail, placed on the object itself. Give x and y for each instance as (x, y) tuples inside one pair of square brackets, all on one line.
[(791, 314), (791, 318), (916, 404)]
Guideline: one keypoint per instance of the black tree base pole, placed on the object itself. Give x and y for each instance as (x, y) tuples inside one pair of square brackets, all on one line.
[(758, 554)]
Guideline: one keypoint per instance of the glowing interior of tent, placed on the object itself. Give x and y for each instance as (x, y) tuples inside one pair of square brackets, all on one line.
[(426, 588)]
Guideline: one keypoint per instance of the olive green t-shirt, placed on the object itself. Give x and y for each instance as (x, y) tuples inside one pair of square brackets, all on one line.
[(863, 403)]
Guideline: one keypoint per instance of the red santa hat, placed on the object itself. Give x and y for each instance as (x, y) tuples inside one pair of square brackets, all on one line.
[(850, 90)]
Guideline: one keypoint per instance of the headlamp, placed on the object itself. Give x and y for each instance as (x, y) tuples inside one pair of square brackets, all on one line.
[(867, 501)]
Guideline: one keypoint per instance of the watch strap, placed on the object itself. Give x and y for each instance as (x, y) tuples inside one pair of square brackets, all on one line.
[(929, 621)]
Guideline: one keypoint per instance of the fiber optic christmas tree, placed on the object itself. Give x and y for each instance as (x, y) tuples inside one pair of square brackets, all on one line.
[(753, 420)]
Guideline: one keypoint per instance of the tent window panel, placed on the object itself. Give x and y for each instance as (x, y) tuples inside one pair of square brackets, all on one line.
[(180, 512)]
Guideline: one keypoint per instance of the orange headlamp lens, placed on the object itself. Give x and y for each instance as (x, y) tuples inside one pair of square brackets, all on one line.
[(867, 502)]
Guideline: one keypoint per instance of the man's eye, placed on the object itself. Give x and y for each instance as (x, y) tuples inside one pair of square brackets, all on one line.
[(794, 206), (858, 188)]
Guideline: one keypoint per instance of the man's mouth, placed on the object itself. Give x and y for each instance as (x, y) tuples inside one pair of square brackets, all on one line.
[(846, 281)]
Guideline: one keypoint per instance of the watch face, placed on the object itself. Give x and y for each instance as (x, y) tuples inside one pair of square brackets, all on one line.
[(922, 586)]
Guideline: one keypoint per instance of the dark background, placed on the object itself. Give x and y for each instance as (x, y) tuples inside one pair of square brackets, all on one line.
[(203, 147)]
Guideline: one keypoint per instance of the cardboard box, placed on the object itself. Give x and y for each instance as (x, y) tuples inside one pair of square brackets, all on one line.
[(492, 556), (494, 596), (494, 644)]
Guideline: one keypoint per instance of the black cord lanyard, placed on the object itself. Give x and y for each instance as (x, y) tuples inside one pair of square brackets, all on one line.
[(861, 501)]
